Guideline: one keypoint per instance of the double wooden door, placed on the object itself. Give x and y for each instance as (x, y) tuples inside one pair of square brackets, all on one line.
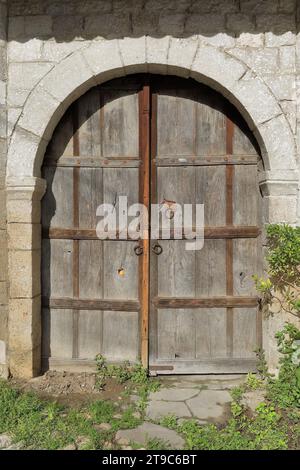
[(155, 140)]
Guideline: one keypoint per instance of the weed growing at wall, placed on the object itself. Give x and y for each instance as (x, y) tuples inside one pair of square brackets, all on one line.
[(282, 287)]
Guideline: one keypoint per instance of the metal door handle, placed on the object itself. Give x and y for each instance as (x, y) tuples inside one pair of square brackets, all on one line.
[(157, 249), (138, 250)]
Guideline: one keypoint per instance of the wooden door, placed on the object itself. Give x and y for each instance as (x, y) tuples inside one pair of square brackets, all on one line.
[(91, 286), (204, 316), (151, 139)]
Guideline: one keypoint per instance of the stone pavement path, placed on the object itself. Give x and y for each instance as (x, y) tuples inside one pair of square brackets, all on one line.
[(205, 398)]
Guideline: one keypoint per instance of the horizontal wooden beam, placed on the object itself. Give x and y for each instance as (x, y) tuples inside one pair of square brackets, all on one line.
[(226, 365), (209, 233), (176, 366), (91, 162), (205, 160), (91, 304), (202, 302), (131, 161)]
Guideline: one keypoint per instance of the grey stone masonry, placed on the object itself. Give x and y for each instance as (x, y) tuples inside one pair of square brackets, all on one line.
[(3, 153), (51, 52)]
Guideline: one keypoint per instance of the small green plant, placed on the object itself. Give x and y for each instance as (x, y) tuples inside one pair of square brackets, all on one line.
[(262, 366), (253, 382), (284, 391), (157, 444), (169, 421), (283, 282)]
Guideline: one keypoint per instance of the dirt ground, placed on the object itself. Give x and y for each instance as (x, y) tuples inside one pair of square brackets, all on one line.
[(71, 389)]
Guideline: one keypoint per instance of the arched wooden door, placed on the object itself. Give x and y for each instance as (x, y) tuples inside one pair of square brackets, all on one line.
[(152, 139)]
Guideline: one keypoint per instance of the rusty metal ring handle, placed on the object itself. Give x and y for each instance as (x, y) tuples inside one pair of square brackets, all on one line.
[(157, 249), (138, 250)]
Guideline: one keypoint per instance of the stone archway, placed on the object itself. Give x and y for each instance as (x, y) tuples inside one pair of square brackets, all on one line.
[(67, 81)]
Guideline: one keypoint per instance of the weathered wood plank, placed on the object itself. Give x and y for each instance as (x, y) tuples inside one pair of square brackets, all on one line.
[(213, 302), (91, 304)]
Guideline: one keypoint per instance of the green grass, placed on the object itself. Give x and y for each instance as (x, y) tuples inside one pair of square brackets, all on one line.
[(41, 424)]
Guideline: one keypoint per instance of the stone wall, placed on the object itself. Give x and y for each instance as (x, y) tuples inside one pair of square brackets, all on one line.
[(3, 151), (262, 36)]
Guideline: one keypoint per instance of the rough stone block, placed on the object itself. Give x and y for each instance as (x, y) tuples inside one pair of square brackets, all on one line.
[(157, 53), (181, 55), (20, 211), (171, 23), (258, 7), (287, 57), (24, 143), (264, 106), (3, 255), (205, 24), (67, 27), (70, 79), (3, 293), (218, 40), (260, 61), (133, 53), (277, 23), (280, 39), (24, 236), (279, 142), (2, 209), (54, 51), (104, 60), (283, 86), (240, 23), (109, 26), (22, 78), (280, 209), (19, 51), (24, 273), (43, 109), (216, 68), (38, 25), (250, 40)]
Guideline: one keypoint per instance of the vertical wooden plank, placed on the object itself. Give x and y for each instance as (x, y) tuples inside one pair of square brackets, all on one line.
[(176, 270), (117, 345), (120, 270), (144, 119), (120, 123), (153, 279), (61, 143), (245, 339), (57, 204), (91, 269), (61, 337), (89, 333), (57, 268), (211, 191), (175, 124), (210, 275), (211, 127), (76, 178), (210, 330), (229, 246), (88, 109)]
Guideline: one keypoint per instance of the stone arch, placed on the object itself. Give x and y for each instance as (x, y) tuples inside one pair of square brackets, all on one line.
[(64, 83), (102, 61)]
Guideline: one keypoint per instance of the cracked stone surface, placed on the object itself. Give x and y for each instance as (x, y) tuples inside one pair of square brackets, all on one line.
[(146, 431), (209, 404), (202, 398), (173, 394), (157, 409)]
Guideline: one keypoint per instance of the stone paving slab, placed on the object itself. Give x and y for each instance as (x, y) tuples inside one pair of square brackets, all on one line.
[(209, 404), (174, 394), (158, 409), (146, 431)]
